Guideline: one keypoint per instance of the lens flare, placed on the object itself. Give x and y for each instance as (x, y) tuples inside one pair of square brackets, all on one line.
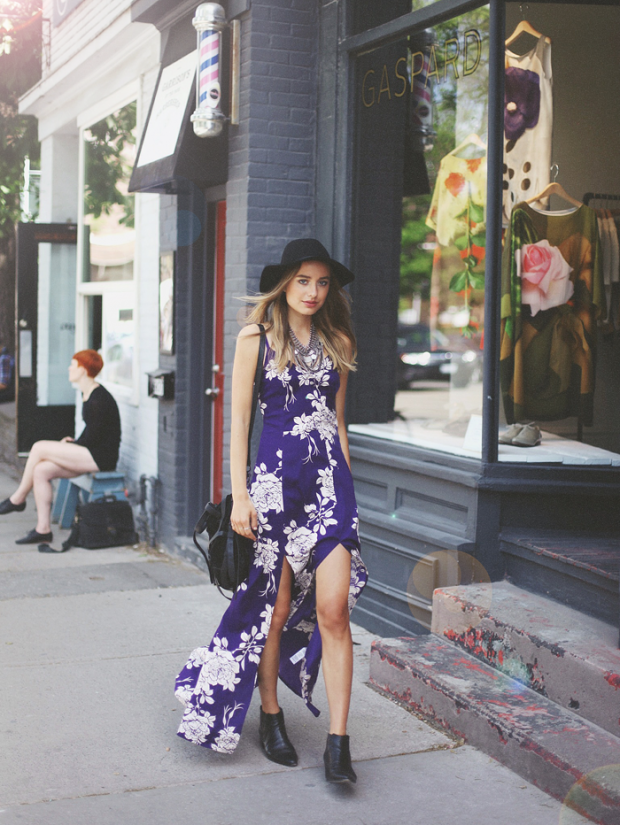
[(446, 568), (596, 795)]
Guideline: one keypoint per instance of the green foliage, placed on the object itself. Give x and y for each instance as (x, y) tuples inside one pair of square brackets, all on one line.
[(106, 164), (20, 69), (415, 263), (474, 236)]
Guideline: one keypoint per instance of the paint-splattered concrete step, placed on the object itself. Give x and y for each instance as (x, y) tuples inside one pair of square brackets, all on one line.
[(558, 652), (563, 754), (577, 569)]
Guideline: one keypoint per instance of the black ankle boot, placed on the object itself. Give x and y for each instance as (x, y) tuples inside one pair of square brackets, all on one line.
[(337, 759), (274, 740)]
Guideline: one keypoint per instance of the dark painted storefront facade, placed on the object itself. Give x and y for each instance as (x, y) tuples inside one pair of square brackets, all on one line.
[(332, 143)]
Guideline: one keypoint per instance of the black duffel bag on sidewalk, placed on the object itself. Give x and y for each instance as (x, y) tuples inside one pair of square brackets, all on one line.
[(104, 522)]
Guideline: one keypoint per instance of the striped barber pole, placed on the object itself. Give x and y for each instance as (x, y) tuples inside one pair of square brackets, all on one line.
[(422, 109), (210, 68)]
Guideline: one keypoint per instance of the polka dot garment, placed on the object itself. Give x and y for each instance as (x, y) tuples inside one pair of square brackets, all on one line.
[(528, 120)]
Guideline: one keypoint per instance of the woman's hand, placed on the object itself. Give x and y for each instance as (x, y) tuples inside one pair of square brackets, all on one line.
[(66, 439), (244, 518)]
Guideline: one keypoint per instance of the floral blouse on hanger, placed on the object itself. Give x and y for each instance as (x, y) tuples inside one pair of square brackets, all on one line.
[(459, 182)]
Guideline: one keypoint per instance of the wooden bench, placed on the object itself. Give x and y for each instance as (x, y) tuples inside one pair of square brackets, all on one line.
[(85, 487)]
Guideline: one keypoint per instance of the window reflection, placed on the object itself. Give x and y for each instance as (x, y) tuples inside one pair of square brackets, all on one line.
[(109, 241), (109, 154), (432, 93)]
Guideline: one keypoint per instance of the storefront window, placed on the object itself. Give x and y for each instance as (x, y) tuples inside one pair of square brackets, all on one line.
[(420, 232), (109, 151), (367, 14), (560, 329)]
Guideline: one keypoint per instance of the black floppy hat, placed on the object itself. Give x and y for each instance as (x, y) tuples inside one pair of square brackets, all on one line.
[(296, 252)]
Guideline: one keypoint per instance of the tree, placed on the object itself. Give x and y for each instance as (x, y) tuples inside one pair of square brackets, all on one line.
[(20, 68), (107, 144)]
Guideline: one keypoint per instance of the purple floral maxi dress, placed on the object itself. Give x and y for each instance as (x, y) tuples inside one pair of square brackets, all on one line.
[(303, 493)]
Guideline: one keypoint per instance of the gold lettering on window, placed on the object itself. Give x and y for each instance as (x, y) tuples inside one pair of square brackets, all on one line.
[(401, 77), (385, 84), (365, 100), (472, 34), (415, 72), (432, 61)]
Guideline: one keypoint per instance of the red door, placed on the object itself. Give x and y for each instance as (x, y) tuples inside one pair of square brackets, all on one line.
[(217, 443)]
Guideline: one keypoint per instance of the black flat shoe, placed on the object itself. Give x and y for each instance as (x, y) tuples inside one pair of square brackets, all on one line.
[(7, 506), (45, 548), (35, 538), (274, 740), (337, 759)]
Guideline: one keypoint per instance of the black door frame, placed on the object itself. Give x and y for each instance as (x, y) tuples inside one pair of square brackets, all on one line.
[(34, 422)]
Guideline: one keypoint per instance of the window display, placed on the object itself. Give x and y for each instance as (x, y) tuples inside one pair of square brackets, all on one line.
[(560, 352), (552, 298), (420, 225), (528, 118), (422, 171)]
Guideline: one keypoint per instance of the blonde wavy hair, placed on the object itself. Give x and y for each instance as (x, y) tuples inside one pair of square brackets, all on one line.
[(332, 322)]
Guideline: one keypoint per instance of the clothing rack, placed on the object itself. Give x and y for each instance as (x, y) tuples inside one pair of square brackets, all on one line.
[(593, 196), (596, 196)]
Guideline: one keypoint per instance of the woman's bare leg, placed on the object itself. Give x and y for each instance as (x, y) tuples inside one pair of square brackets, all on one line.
[(44, 472), (270, 659), (332, 594), (71, 457)]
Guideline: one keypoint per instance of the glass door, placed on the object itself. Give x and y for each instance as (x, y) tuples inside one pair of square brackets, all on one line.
[(46, 271)]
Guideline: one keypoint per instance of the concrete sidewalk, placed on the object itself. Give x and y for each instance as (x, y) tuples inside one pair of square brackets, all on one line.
[(90, 643)]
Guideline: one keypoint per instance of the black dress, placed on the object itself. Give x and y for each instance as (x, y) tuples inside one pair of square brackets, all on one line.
[(102, 433)]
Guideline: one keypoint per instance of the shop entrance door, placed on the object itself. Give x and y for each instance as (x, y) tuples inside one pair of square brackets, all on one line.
[(216, 390), (45, 298)]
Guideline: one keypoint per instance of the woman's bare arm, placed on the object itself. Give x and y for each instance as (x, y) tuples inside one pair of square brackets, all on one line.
[(244, 368)]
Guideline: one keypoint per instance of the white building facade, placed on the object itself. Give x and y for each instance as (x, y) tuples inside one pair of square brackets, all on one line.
[(96, 64)]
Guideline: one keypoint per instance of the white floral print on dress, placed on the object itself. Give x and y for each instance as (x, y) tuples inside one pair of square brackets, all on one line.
[(266, 491), (197, 726), (299, 545), (220, 667)]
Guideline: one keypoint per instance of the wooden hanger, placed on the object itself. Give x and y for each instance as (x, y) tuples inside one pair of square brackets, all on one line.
[(555, 188), (472, 139), (524, 27)]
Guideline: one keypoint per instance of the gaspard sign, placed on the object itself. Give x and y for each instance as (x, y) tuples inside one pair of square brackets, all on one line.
[(456, 57), (162, 131)]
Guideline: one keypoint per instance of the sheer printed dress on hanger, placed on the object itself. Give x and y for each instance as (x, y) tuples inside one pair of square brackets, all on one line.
[(303, 493)]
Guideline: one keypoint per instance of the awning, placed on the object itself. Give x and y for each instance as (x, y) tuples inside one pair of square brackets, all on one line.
[(169, 152)]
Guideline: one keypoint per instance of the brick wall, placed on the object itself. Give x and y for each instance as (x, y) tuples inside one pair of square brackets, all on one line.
[(270, 190), (166, 449)]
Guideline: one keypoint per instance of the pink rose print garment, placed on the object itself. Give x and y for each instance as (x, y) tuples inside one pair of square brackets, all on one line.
[(552, 299), (302, 489), (528, 121), (544, 274)]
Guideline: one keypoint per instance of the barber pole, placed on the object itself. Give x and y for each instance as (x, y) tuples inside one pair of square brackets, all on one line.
[(209, 69), (208, 119)]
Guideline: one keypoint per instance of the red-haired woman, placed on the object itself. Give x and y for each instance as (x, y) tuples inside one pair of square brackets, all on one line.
[(96, 449)]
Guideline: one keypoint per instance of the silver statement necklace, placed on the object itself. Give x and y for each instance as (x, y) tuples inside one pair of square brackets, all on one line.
[(310, 356)]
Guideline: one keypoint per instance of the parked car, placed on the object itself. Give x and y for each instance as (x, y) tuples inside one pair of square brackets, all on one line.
[(424, 355)]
